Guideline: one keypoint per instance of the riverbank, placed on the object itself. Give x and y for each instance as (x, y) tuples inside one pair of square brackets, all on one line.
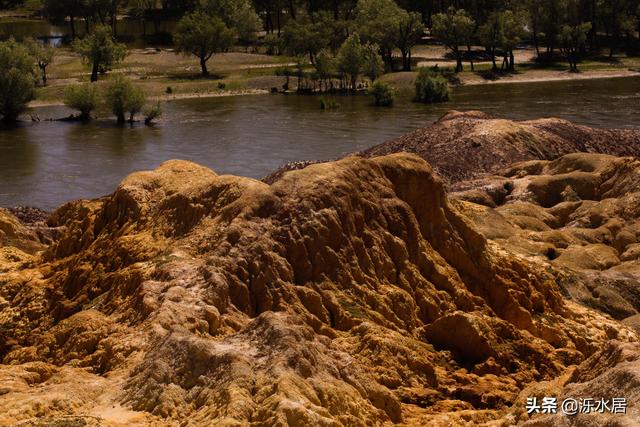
[(404, 81), (166, 76)]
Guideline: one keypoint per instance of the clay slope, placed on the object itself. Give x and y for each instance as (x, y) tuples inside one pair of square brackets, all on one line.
[(348, 293), (577, 217), (464, 145)]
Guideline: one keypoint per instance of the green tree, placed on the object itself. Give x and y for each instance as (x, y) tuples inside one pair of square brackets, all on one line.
[(410, 31), (238, 15), (552, 21), (17, 79), (325, 67), (378, 22), (373, 66), (43, 55), (617, 18), (301, 37), (490, 34), (351, 59), (454, 28), (573, 39), (513, 31), (124, 98), (202, 35), (573, 34), (83, 97), (99, 50), (535, 13)]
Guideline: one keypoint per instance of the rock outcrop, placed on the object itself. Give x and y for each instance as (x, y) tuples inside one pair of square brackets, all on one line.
[(578, 215), (466, 145), (347, 293)]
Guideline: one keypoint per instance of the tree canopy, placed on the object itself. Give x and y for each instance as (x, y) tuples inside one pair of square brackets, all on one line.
[(17, 79), (202, 35), (100, 51)]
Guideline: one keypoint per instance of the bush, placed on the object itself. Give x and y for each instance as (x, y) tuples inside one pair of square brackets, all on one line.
[(123, 97), (152, 113), (17, 79), (382, 93), (328, 104), (431, 87), (83, 98), (273, 44)]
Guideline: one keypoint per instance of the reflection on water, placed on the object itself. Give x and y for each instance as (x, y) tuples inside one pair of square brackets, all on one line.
[(49, 163), (130, 31)]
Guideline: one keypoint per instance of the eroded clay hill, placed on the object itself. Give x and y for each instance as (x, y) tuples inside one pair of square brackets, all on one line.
[(347, 293), (464, 145), (577, 217)]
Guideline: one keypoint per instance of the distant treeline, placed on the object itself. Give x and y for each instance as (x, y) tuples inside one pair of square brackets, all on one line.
[(572, 27)]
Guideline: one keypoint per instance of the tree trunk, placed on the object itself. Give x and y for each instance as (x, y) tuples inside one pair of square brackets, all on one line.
[(406, 65), (94, 72), (268, 22), (121, 118), (459, 66), (114, 24), (44, 75), (203, 66), (512, 61), (278, 22), (72, 22), (292, 10), (536, 42), (493, 59)]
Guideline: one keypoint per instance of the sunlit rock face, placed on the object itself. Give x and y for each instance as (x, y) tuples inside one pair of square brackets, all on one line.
[(349, 293)]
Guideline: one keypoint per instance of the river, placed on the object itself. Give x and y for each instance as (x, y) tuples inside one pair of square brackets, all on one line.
[(48, 163)]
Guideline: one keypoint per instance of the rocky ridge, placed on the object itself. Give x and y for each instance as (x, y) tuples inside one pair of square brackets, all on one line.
[(347, 293)]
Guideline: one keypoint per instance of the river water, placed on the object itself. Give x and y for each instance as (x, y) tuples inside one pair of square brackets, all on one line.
[(48, 163)]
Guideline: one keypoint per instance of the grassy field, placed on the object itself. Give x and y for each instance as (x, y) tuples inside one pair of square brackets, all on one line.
[(233, 73), (157, 70)]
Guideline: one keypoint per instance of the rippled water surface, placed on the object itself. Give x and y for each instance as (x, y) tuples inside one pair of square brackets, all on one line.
[(45, 164)]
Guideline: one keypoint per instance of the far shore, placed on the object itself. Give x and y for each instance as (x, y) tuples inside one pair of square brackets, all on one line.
[(537, 76), (404, 81)]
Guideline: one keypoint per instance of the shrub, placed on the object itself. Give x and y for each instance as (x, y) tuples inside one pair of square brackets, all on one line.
[(382, 93), (123, 97), (152, 113), (273, 44), (83, 98), (169, 90), (431, 87), (328, 104)]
